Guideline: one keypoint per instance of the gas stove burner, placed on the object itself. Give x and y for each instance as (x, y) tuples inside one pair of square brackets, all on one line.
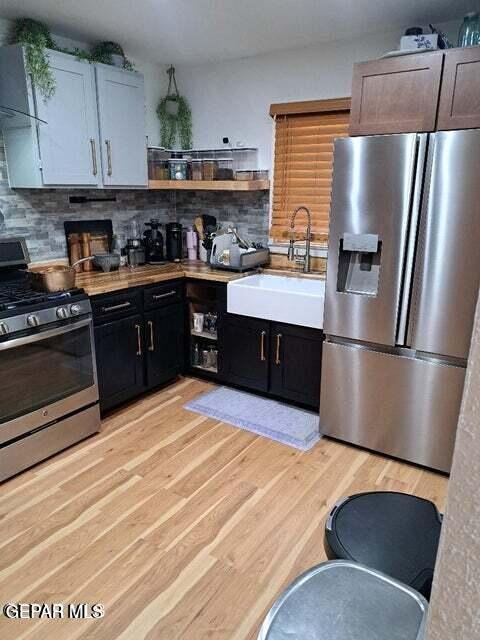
[(15, 295), (59, 295)]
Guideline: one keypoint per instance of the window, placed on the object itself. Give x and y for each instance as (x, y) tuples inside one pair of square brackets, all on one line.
[(303, 158)]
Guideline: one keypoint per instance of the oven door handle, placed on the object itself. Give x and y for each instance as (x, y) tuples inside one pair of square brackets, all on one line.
[(43, 335)]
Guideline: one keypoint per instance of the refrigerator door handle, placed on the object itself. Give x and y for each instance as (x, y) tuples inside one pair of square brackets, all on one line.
[(402, 327)]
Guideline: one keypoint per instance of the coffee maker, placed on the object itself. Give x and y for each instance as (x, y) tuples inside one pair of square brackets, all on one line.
[(135, 250), (153, 241), (174, 241)]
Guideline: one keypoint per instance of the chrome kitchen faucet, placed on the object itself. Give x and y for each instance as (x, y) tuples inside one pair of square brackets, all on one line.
[(292, 255)]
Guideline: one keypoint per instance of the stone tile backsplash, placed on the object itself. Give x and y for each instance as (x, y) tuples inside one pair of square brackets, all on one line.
[(39, 214), (248, 211)]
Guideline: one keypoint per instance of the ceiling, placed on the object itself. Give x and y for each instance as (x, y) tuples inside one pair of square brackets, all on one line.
[(197, 31)]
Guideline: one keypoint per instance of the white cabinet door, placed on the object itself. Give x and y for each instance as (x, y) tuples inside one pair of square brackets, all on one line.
[(69, 142), (121, 109)]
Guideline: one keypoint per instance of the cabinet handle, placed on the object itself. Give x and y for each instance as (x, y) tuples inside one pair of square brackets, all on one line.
[(151, 345), (94, 156), (139, 340), (116, 307), (262, 346), (159, 296), (109, 157), (277, 352)]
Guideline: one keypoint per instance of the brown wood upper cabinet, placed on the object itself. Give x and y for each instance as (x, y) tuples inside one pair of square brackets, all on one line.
[(460, 96), (419, 92), (396, 95)]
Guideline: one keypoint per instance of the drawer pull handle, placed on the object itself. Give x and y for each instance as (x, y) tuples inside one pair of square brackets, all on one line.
[(94, 156), (109, 157), (277, 352), (262, 346), (116, 307), (151, 346), (159, 296), (139, 340)]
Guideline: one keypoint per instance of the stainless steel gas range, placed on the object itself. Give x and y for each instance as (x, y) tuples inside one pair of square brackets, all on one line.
[(48, 380)]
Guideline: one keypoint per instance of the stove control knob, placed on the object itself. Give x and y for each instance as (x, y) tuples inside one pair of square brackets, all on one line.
[(3, 328), (33, 321), (75, 309), (62, 313)]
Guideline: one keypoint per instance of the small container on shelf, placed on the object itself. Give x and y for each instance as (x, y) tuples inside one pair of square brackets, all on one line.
[(196, 355), (213, 358), (209, 169), (244, 175), (260, 175), (158, 164), (205, 358), (244, 158), (162, 171), (178, 169), (225, 169), (196, 169)]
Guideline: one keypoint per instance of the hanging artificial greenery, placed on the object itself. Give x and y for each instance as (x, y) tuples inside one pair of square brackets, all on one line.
[(175, 117), (36, 38), (103, 52)]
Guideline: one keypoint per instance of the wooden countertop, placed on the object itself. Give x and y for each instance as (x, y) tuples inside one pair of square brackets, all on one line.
[(96, 282)]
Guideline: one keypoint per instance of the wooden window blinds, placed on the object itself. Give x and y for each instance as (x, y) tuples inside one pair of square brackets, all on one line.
[(303, 159)]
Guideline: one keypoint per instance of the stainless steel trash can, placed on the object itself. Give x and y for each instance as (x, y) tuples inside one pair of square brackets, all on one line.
[(342, 600)]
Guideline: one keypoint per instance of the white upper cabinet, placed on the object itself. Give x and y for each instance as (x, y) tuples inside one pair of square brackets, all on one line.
[(94, 134), (121, 110), (69, 142)]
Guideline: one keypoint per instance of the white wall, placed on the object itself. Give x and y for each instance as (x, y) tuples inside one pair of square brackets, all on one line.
[(233, 98), (156, 79)]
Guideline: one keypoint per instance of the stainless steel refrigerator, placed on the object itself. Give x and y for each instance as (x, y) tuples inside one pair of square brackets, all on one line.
[(403, 276)]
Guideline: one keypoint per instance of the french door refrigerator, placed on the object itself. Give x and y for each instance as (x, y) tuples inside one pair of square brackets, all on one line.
[(403, 275)]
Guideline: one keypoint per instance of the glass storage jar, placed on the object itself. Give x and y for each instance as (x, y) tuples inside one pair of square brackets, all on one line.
[(178, 169), (158, 164), (469, 34), (209, 169), (225, 169), (196, 166)]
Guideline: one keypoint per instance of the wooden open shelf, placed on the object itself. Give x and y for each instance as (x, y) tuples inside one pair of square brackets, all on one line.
[(204, 334), (202, 368), (211, 185)]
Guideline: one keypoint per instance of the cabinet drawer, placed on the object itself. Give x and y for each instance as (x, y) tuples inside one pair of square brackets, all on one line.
[(162, 295), (114, 306)]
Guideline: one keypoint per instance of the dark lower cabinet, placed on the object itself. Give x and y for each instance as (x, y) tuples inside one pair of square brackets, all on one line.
[(120, 365), (295, 363), (139, 340), (140, 344), (164, 344), (244, 344), (280, 359)]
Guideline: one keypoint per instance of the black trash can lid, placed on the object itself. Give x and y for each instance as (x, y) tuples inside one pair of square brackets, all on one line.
[(395, 533)]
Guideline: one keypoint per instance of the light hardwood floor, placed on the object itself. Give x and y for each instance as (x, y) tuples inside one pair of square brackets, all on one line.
[(184, 527)]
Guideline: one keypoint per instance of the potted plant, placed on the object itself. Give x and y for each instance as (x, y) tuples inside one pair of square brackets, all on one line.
[(175, 116)]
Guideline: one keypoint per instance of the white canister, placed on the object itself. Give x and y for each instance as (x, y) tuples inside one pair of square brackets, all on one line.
[(192, 244), (198, 320)]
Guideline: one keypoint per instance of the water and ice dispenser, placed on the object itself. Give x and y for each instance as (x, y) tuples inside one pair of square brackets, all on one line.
[(359, 258)]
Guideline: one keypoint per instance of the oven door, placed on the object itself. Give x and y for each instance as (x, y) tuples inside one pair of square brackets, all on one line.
[(46, 376)]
